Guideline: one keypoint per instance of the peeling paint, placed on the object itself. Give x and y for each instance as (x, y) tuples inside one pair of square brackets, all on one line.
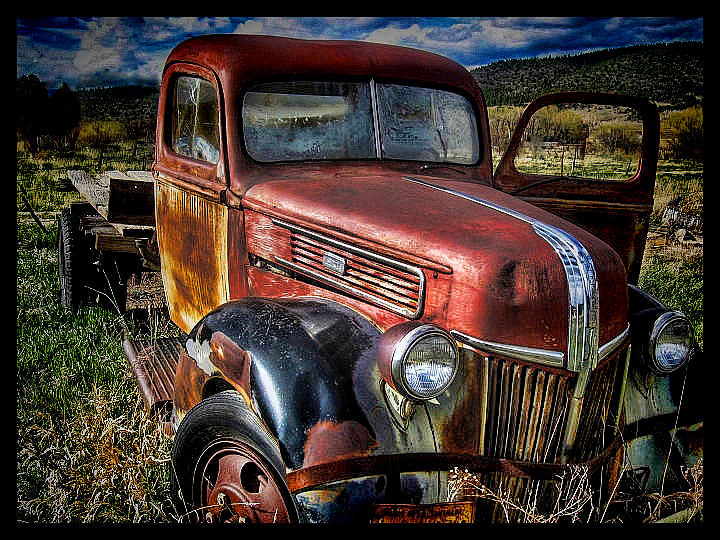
[(200, 352)]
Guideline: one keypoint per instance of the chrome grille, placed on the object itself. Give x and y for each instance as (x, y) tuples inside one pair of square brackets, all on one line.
[(525, 416), (370, 276), (526, 408)]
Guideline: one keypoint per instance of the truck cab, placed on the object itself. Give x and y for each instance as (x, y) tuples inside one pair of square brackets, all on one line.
[(368, 304)]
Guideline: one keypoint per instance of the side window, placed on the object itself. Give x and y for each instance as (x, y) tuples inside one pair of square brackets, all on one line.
[(601, 142), (194, 116)]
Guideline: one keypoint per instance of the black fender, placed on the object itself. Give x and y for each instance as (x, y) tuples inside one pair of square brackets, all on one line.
[(296, 360)]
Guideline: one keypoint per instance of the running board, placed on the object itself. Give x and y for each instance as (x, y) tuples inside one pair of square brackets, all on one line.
[(153, 362)]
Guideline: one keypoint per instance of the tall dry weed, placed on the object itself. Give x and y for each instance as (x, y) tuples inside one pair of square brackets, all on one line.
[(107, 464)]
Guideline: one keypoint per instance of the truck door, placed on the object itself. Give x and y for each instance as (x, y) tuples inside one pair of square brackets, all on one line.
[(590, 158), (191, 219)]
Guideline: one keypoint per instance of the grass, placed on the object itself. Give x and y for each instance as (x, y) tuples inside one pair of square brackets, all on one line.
[(86, 449)]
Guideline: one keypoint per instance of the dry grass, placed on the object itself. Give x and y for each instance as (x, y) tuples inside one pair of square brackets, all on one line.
[(106, 464), (572, 499)]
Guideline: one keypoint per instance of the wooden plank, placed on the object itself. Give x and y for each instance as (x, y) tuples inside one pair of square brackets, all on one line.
[(95, 190), (131, 212)]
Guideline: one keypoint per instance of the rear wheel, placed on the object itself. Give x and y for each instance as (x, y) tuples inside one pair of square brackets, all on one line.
[(72, 265), (85, 275), (227, 467)]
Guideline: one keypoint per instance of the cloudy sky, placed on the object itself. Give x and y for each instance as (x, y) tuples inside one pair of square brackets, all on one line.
[(94, 51)]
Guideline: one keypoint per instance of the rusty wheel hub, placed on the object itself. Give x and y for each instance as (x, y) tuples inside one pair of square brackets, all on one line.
[(238, 487)]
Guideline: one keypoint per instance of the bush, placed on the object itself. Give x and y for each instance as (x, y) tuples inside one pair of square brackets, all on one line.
[(615, 137), (557, 124), (686, 133), (679, 286)]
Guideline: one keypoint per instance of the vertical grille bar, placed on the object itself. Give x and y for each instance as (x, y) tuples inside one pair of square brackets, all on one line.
[(524, 411), (524, 416)]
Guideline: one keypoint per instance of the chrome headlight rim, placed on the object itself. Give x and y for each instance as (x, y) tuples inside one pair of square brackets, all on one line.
[(401, 351), (661, 323)]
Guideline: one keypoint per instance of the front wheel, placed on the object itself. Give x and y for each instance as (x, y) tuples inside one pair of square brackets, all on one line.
[(227, 467)]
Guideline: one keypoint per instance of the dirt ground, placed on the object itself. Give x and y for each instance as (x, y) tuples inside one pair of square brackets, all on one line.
[(147, 292)]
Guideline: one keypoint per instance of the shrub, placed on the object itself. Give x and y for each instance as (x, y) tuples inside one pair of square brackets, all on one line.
[(615, 137), (686, 133)]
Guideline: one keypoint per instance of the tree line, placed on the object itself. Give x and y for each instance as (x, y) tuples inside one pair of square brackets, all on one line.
[(670, 74), (99, 119), (39, 114)]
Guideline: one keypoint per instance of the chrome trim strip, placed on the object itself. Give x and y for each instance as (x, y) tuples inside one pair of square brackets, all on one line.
[(612, 345), (528, 354), (376, 118), (583, 311), (406, 312)]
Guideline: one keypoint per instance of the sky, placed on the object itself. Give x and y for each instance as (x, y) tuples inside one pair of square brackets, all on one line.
[(112, 51)]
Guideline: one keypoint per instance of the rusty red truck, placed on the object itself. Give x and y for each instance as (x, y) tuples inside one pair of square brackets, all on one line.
[(367, 303)]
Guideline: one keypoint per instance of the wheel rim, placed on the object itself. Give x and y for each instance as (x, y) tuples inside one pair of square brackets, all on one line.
[(235, 485)]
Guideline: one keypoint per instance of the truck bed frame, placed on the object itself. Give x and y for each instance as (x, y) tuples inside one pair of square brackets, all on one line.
[(119, 211)]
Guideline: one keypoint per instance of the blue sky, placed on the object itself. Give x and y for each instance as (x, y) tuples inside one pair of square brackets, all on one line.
[(95, 51)]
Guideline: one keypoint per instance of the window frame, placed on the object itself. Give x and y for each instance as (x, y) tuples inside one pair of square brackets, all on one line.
[(174, 117), (207, 178)]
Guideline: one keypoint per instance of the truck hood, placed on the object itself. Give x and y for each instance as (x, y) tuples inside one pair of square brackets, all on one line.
[(493, 271)]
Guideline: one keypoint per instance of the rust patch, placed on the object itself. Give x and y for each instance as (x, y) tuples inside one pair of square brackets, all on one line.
[(328, 441), (192, 237), (189, 380), (233, 362)]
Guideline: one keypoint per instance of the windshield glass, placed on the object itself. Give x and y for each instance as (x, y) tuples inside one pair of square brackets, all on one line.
[(293, 121)]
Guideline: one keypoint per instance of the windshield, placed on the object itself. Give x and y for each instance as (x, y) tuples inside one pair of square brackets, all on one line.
[(293, 121)]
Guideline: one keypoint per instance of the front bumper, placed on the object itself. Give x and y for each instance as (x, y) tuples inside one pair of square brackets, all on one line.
[(412, 487)]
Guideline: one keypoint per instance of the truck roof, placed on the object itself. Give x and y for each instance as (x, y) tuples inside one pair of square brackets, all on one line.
[(238, 60)]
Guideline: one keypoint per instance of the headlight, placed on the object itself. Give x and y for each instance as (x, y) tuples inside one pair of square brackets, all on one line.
[(671, 342), (424, 362)]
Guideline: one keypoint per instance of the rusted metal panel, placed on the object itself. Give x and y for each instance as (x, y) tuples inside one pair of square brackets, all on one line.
[(237, 255), (505, 279), (192, 236), (460, 512)]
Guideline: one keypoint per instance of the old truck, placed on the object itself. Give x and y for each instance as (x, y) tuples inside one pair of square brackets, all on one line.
[(365, 305)]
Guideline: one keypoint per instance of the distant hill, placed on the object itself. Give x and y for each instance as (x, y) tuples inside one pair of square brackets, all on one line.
[(119, 103), (670, 74)]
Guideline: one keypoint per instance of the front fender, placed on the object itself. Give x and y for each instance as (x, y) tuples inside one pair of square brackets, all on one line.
[(294, 362), (664, 412)]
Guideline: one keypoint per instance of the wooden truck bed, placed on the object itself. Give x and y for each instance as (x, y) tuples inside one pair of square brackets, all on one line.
[(125, 199), (124, 210)]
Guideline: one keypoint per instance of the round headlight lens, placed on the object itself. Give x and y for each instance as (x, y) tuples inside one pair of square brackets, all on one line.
[(671, 342), (425, 363)]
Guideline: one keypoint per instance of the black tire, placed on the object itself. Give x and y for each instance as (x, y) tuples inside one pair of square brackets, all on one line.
[(72, 271), (82, 281), (218, 430)]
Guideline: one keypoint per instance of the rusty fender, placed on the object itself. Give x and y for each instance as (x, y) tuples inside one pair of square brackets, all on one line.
[(294, 362)]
